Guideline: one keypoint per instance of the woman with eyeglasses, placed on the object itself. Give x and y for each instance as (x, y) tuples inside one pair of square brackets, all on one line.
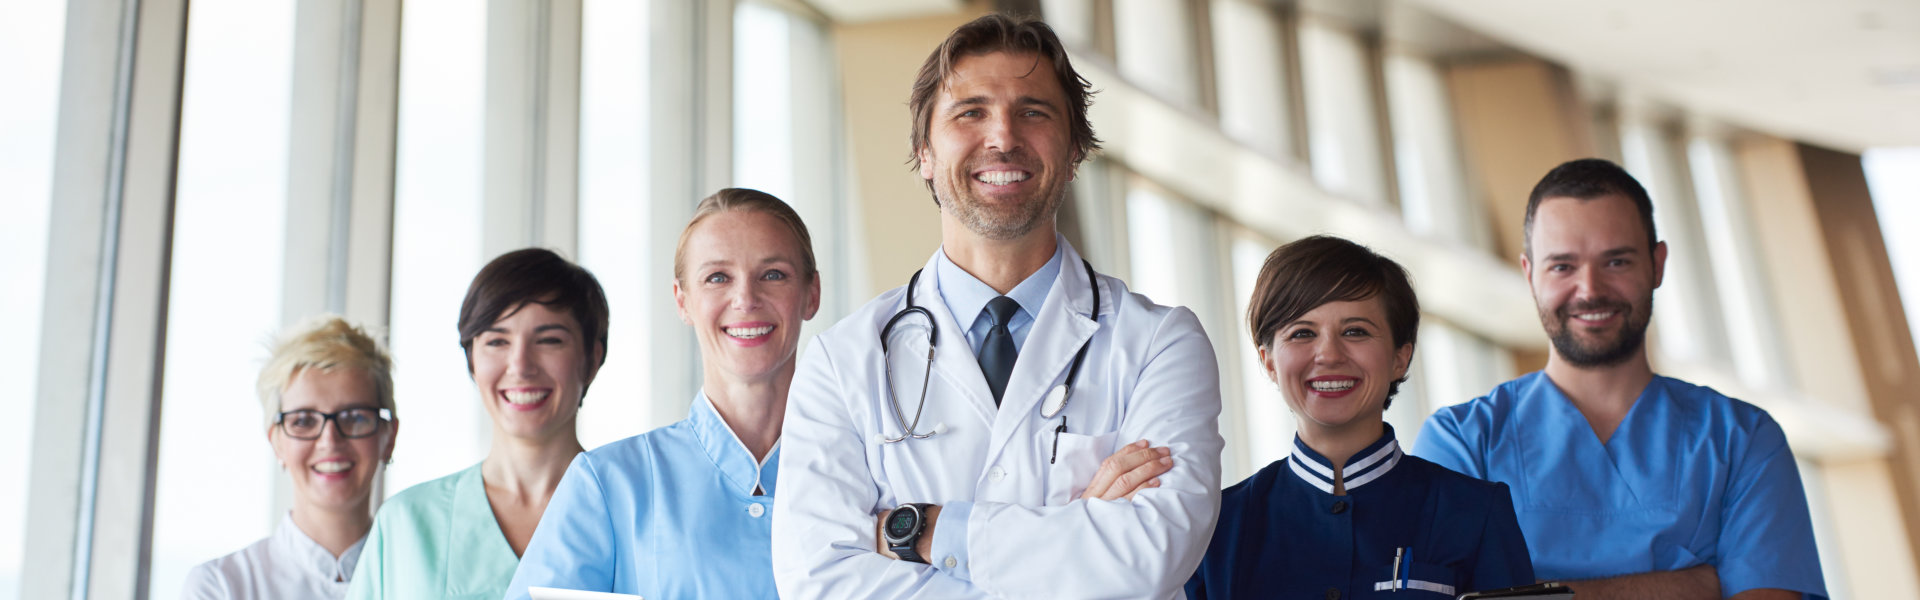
[(534, 328), (328, 394)]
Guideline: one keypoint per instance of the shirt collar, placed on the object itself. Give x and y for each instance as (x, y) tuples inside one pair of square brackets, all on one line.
[(966, 296), (729, 454), (1368, 465), (314, 559)]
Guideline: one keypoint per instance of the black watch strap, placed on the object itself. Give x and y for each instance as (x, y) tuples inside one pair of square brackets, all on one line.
[(904, 549)]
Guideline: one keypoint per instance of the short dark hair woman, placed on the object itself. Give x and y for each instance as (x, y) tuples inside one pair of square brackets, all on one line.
[(1347, 514), (534, 328)]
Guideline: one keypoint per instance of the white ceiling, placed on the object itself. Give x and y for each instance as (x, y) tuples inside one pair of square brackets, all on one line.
[(1839, 73)]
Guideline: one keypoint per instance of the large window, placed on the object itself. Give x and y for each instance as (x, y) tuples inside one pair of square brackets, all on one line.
[(436, 238), (30, 38), (216, 469), (786, 134), (1894, 176), (1343, 129), (614, 236), (1269, 421)]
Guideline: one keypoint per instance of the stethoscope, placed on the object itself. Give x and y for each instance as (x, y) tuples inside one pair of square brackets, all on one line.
[(1056, 398)]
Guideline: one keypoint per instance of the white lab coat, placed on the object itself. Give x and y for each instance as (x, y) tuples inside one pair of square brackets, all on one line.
[(1150, 373)]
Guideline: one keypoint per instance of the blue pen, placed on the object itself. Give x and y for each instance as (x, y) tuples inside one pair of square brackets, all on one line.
[(1407, 578)]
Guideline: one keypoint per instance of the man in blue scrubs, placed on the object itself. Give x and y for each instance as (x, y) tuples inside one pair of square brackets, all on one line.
[(1627, 484)]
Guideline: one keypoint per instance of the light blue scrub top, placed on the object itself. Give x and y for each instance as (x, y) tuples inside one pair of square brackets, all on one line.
[(1690, 477), (666, 514)]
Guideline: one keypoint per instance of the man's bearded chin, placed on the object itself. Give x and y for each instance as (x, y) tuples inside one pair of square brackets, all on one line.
[(1582, 353), (997, 222)]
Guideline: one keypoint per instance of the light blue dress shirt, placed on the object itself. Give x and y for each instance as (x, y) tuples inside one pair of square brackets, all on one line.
[(666, 514), (1690, 477), (967, 297)]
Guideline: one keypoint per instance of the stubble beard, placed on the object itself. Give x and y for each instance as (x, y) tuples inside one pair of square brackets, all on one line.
[(1580, 353), (997, 223)]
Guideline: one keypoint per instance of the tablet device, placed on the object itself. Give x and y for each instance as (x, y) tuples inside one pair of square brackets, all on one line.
[(543, 593)]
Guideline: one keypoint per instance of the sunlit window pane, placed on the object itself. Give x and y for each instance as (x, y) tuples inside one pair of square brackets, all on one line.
[(216, 470), (1343, 132), (1150, 243), (762, 108), (31, 38), (1893, 174), (436, 238), (614, 235), (1269, 422)]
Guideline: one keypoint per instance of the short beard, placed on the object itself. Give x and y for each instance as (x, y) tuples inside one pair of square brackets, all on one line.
[(999, 225), (1633, 335)]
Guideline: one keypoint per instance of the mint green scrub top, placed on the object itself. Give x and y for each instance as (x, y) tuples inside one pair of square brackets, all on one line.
[(436, 540)]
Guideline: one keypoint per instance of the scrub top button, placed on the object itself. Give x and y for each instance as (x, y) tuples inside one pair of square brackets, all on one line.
[(756, 510), (996, 474), (1339, 506), (951, 562), (1333, 593)]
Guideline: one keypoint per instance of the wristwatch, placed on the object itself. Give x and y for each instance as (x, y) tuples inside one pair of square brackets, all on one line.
[(903, 528)]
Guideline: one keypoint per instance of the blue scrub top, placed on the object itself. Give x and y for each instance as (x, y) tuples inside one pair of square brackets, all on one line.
[(1283, 534), (1690, 477), (671, 513)]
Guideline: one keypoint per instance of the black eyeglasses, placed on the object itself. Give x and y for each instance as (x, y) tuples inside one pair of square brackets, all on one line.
[(349, 423)]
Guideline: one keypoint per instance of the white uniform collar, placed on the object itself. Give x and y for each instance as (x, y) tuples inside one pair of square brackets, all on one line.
[(296, 547), (1367, 465)]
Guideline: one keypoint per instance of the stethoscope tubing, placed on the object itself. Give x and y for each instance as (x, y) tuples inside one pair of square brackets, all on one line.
[(933, 341)]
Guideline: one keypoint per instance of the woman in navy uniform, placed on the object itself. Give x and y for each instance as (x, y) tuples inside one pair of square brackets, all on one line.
[(1348, 515)]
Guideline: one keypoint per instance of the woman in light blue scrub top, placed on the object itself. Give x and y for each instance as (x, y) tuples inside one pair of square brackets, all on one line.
[(685, 511), (534, 327)]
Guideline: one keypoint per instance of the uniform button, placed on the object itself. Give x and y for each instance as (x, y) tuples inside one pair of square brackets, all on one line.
[(951, 562), (1339, 506), (996, 474), (1333, 593), (756, 510)]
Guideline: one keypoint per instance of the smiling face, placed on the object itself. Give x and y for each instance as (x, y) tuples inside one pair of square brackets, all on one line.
[(745, 295), (332, 473), (1593, 278), (999, 151), (1335, 365), (531, 372)]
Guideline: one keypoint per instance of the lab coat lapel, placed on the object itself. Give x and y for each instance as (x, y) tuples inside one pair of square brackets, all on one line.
[(1063, 323), (953, 360)]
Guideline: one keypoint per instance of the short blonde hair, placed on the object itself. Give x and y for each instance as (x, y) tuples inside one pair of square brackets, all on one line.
[(326, 343)]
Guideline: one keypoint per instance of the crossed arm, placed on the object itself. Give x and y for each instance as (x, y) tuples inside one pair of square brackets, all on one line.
[(1134, 467)]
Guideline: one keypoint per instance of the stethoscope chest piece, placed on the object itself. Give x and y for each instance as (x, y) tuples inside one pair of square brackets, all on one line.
[(1056, 401)]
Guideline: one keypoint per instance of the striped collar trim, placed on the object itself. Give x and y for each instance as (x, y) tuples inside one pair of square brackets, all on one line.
[(1373, 463)]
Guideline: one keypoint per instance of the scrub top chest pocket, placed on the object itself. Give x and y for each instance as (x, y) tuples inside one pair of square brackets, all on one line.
[(1413, 580)]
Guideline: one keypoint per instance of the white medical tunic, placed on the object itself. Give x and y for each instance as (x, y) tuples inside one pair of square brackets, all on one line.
[(287, 565)]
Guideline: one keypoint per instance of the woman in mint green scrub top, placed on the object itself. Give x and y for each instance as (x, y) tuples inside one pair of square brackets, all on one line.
[(534, 327)]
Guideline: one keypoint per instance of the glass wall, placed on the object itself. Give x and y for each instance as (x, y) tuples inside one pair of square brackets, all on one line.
[(614, 237), (31, 35), (436, 238), (216, 468)]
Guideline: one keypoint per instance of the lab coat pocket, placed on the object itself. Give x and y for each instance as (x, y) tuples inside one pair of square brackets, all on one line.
[(1074, 463)]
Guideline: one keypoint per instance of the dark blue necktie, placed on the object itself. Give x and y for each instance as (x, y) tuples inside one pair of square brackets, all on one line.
[(996, 351)]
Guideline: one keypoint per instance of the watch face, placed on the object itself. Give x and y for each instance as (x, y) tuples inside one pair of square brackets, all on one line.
[(901, 524)]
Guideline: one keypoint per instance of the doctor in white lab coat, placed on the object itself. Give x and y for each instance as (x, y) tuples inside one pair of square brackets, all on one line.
[(1017, 505)]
